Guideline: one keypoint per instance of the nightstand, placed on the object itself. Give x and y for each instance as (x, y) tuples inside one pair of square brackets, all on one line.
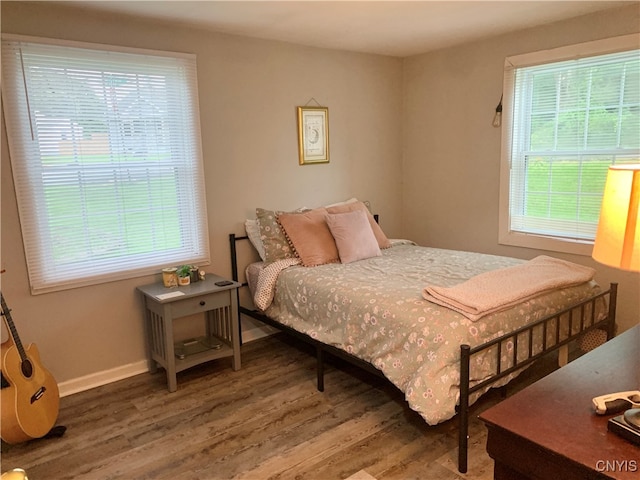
[(221, 339)]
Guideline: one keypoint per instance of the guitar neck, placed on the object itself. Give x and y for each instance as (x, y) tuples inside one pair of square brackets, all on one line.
[(6, 313)]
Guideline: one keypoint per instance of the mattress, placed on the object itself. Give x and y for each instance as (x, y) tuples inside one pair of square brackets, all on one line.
[(252, 274)]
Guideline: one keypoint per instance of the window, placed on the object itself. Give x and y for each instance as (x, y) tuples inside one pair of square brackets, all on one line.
[(569, 113), (106, 157)]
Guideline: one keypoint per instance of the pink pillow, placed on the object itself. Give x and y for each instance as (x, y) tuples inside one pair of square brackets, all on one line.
[(353, 235), (383, 241), (310, 237)]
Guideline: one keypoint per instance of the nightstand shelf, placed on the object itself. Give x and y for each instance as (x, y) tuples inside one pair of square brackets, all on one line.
[(162, 306), (198, 358)]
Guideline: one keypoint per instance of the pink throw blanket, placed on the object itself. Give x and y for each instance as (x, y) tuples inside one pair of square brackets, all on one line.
[(501, 289)]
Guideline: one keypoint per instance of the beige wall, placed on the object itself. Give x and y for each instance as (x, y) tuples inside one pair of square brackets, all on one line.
[(452, 153), (249, 90), (400, 131)]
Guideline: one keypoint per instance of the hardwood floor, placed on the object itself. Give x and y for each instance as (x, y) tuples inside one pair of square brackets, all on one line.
[(266, 420)]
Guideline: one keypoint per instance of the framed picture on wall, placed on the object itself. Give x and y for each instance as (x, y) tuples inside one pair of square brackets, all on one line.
[(313, 135)]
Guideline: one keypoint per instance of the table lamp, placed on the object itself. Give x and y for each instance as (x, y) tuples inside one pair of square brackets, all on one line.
[(617, 244), (617, 241)]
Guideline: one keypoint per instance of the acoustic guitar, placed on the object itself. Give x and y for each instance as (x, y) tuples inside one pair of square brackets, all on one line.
[(29, 394)]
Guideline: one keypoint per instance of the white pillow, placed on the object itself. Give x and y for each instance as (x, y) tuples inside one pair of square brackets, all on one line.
[(252, 228), (351, 200), (353, 235)]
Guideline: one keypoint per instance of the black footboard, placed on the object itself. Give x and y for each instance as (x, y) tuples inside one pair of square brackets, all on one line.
[(581, 320)]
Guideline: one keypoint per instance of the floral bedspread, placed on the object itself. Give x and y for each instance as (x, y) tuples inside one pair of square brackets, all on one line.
[(374, 310)]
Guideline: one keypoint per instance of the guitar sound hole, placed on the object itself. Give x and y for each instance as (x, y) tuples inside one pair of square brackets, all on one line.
[(27, 368)]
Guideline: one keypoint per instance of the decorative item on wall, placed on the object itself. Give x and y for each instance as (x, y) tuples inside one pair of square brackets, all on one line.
[(313, 134), (497, 118)]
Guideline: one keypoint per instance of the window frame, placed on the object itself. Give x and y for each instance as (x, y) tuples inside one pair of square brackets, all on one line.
[(191, 161), (506, 236)]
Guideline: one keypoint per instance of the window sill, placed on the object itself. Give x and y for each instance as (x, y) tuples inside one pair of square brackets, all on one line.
[(540, 242)]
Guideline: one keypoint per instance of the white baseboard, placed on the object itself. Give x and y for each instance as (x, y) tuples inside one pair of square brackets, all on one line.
[(98, 379)]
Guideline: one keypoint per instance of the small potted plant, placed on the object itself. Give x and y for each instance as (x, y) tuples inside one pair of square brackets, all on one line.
[(184, 274)]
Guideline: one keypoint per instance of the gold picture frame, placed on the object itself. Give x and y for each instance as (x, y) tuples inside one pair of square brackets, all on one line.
[(313, 135)]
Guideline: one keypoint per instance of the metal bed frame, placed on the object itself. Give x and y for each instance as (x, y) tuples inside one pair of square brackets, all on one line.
[(580, 315)]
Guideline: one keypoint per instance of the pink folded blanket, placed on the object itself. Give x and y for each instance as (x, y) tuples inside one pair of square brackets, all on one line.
[(501, 289)]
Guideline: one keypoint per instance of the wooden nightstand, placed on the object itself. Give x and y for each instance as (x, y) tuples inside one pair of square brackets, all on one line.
[(221, 333)]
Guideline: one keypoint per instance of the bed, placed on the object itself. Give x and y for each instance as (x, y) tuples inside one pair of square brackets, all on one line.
[(374, 311)]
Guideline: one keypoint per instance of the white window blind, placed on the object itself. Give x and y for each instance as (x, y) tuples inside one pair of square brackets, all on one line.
[(106, 157), (568, 121)]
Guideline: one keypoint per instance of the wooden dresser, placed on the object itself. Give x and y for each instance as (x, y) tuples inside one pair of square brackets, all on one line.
[(549, 430)]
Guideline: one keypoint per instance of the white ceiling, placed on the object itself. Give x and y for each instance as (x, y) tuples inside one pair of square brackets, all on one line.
[(397, 28)]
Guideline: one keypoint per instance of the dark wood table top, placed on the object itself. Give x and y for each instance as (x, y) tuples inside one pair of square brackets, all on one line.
[(556, 413)]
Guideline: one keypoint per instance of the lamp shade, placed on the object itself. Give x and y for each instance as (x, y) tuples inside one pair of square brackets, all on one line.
[(617, 241)]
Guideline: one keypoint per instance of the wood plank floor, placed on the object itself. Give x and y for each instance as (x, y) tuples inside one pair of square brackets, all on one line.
[(266, 420)]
